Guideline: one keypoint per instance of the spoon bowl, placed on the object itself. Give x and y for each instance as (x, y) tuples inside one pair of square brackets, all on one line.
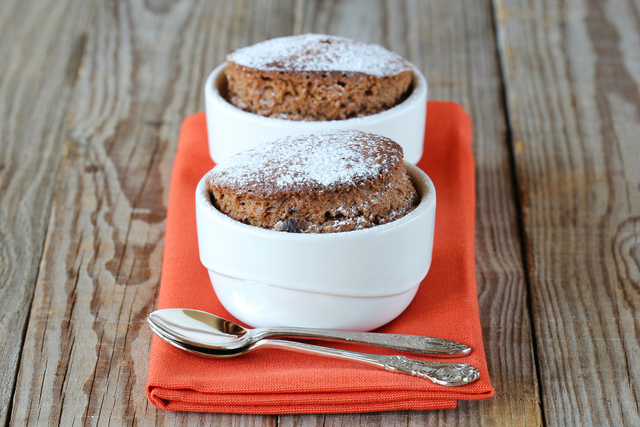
[(206, 330)]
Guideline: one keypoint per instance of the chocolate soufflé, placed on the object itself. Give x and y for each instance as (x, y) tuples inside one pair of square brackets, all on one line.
[(316, 77), (320, 182)]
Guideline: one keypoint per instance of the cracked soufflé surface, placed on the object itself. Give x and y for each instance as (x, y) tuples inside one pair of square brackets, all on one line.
[(316, 77), (321, 182)]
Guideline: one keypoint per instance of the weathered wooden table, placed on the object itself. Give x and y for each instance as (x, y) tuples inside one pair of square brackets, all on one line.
[(92, 94)]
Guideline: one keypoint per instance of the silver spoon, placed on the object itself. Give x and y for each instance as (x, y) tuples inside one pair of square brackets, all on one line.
[(206, 330), (446, 374)]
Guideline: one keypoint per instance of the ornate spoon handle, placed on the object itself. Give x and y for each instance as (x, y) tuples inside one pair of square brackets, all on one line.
[(412, 343), (447, 374)]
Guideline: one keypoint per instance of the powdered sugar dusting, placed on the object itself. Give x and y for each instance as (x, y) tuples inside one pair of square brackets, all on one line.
[(320, 52), (313, 162)]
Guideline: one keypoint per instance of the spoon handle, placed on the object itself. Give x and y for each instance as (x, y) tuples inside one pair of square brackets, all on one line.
[(411, 343), (446, 374)]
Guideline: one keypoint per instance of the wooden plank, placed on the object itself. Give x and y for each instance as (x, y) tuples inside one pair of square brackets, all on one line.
[(454, 44), (573, 76), (141, 71), (40, 45)]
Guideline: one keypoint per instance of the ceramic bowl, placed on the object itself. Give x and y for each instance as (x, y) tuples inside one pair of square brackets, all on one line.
[(356, 280), (232, 130)]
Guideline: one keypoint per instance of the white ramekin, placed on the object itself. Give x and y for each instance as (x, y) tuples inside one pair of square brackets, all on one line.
[(356, 280), (232, 130)]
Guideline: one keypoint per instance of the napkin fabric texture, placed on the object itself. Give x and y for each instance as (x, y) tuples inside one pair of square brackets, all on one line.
[(274, 381)]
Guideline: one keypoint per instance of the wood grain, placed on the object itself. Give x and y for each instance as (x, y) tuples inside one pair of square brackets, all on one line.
[(140, 72), (454, 44), (38, 55), (573, 75)]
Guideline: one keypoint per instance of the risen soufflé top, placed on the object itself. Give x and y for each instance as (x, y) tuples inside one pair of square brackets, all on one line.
[(316, 77), (320, 52), (321, 182)]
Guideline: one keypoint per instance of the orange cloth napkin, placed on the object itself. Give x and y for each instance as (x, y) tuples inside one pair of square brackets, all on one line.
[(273, 381)]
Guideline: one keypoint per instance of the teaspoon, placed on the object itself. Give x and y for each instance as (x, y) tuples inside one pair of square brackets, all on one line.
[(446, 374), (206, 330)]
